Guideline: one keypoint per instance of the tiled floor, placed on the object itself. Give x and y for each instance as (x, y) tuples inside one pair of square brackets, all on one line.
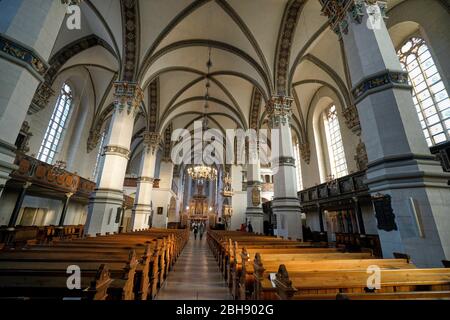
[(195, 276)]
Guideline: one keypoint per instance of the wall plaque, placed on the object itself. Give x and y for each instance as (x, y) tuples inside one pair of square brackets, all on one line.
[(384, 213)]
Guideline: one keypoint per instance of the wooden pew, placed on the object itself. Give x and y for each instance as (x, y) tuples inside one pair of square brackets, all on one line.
[(52, 284), (299, 285), (264, 288), (246, 281), (14, 274)]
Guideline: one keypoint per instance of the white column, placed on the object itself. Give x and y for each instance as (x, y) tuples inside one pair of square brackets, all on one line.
[(108, 197), (142, 210), (28, 31), (254, 212), (400, 164), (286, 205)]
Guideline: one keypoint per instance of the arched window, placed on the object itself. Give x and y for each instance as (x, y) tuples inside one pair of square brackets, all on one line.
[(429, 94), (56, 126), (334, 143)]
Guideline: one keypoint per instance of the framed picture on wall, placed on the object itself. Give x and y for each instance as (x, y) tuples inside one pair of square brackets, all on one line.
[(160, 210)]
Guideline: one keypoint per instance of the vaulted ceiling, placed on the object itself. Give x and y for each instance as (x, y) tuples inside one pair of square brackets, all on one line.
[(258, 48)]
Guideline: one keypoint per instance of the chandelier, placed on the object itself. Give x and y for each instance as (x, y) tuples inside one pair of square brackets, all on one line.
[(202, 172)]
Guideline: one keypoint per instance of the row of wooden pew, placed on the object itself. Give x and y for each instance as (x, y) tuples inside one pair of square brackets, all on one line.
[(126, 266), (20, 235), (268, 268)]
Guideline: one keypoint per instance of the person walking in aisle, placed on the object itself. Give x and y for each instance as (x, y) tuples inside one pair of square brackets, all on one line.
[(195, 231)]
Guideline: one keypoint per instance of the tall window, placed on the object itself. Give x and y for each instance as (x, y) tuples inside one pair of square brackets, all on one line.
[(298, 166), (334, 142), (429, 94), (56, 126)]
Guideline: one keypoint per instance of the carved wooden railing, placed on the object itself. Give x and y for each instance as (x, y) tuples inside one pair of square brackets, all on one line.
[(48, 176), (348, 186)]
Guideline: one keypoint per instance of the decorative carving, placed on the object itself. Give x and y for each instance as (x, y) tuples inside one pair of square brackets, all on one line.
[(285, 161), (130, 16), (305, 152), (375, 83), (285, 39), (336, 12), (352, 119), (151, 141), (25, 56), (167, 143), (156, 183), (279, 111), (43, 174), (255, 108), (256, 196), (361, 156), (128, 95), (153, 105), (41, 98), (117, 150)]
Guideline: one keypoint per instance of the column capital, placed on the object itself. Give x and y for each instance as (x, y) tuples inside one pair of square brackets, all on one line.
[(352, 119), (151, 141), (128, 95), (336, 11), (279, 110)]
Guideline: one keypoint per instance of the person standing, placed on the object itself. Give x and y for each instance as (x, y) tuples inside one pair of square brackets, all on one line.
[(195, 231), (250, 227)]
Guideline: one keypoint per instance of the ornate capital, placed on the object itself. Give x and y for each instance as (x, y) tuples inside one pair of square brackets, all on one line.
[(41, 98), (336, 11), (118, 150), (151, 141), (352, 119), (279, 110), (361, 156), (128, 96)]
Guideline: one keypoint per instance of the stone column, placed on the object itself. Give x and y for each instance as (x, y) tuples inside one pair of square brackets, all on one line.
[(142, 210), (415, 219), (105, 201), (28, 31), (254, 211), (286, 205)]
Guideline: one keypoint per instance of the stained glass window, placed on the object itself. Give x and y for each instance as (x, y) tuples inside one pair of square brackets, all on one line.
[(429, 94), (56, 126)]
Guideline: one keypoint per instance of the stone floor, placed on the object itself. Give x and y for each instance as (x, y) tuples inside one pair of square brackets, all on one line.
[(195, 276)]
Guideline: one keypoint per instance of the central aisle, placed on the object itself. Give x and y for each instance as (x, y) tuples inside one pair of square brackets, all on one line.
[(195, 276)]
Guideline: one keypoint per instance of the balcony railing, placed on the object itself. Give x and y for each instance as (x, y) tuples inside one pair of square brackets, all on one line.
[(350, 185), (48, 176)]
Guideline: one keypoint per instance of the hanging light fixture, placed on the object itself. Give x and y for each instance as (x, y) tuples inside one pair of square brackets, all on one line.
[(203, 172)]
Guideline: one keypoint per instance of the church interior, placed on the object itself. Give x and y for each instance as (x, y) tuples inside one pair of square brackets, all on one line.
[(268, 149)]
